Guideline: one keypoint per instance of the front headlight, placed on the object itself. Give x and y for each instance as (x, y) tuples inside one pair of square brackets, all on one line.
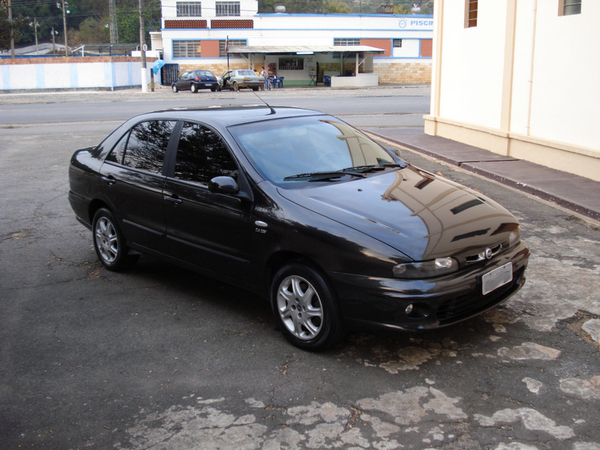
[(426, 269)]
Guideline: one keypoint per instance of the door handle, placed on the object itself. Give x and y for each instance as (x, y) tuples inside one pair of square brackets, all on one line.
[(109, 179), (173, 199)]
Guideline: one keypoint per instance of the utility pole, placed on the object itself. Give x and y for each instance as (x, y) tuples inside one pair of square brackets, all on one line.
[(65, 11), (12, 36), (35, 24), (142, 48), (114, 30), (53, 33)]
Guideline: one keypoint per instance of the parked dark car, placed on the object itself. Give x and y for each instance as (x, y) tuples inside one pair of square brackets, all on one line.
[(303, 209), (194, 80)]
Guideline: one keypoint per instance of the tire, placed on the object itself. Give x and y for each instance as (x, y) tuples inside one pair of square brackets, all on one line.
[(213, 89), (236, 87), (255, 89), (193, 88), (305, 307), (109, 242), (174, 88)]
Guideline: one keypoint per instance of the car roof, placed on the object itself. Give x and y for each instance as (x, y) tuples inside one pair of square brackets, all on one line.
[(220, 115)]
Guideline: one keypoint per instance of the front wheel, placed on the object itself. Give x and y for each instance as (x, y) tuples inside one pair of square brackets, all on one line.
[(174, 88), (305, 307), (109, 242), (236, 87)]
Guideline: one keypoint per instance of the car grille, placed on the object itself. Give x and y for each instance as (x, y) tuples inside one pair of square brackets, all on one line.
[(482, 256), (465, 306)]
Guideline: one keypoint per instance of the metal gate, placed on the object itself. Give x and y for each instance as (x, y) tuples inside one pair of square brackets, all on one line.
[(168, 74)]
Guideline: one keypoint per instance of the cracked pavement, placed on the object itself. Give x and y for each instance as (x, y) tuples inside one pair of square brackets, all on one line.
[(161, 358)]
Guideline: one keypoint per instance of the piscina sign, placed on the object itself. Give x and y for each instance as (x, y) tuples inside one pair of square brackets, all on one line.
[(416, 24)]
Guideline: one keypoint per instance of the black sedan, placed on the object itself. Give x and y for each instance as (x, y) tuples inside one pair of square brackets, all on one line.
[(194, 80), (303, 209)]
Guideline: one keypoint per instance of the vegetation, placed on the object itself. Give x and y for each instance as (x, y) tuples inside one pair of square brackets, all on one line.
[(87, 20)]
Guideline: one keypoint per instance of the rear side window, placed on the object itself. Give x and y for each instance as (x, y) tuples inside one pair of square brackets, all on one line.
[(202, 155), (146, 147)]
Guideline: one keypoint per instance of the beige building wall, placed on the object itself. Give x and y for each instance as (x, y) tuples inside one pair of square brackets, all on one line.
[(523, 82)]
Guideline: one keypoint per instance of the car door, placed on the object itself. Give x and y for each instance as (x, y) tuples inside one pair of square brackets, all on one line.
[(207, 229), (184, 82), (133, 180)]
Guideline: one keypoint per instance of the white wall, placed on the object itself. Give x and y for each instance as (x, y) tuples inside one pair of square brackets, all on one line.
[(472, 64), (524, 82), (103, 75)]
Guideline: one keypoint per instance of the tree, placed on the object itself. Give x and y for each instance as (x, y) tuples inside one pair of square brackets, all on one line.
[(337, 7), (91, 31), (17, 25)]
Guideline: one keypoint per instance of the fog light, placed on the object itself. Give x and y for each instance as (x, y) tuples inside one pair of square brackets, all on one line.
[(409, 309)]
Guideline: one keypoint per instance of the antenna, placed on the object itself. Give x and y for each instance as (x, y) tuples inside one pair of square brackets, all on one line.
[(270, 107)]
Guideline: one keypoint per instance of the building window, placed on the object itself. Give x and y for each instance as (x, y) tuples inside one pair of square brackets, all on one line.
[(232, 43), (471, 15), (569, 7), (189, 9), (344, 42), (186, 49), (227, 9), (291, 63), (397, 43)]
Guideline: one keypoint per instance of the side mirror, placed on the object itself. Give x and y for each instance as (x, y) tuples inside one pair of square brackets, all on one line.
[(223, 185)]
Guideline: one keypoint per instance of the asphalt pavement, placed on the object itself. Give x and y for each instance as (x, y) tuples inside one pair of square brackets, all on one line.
[(162, 358)]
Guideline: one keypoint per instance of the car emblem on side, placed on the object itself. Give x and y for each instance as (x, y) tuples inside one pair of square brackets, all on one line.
[(488, 253)]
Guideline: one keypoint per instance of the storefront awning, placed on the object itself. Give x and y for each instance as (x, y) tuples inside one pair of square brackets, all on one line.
[(305, 49)]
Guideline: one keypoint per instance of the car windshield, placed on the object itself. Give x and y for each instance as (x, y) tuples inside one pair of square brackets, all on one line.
[(320, 148), (245, 72), (203, 73)]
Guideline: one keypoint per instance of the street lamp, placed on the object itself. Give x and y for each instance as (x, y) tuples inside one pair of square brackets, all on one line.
[(65, 10), (35, 24)]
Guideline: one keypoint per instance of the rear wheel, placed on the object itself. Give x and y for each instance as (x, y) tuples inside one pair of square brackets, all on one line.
[(109, 242), (193, 88), (305, 307), (174, 88)]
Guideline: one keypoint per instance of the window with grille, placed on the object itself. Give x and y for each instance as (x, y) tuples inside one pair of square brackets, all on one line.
[(232, 43), (227, 9), (344, 42), (186, 49), (569, 7), (397, 43), (471, 16), (189, 9)]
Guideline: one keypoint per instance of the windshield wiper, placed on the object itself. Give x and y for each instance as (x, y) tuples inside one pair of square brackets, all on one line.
[(371, 168), (320, 176)]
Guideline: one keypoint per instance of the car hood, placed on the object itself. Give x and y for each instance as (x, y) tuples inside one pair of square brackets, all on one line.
[(413, 211)]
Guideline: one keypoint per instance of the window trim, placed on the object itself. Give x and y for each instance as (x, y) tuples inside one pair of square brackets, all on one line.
[(188, 9), (471, 13), (228, 6), (346, 42), (197, 53), (569, 7)]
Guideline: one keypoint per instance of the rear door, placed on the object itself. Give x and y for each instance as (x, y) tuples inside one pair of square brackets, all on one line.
[(133, 181), (207, 229)]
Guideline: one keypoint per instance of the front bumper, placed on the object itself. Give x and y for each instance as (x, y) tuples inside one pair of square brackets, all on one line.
[(436, 302)]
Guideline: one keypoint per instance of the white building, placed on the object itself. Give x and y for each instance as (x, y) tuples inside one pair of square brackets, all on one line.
[(302, 48), (520, 78)]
